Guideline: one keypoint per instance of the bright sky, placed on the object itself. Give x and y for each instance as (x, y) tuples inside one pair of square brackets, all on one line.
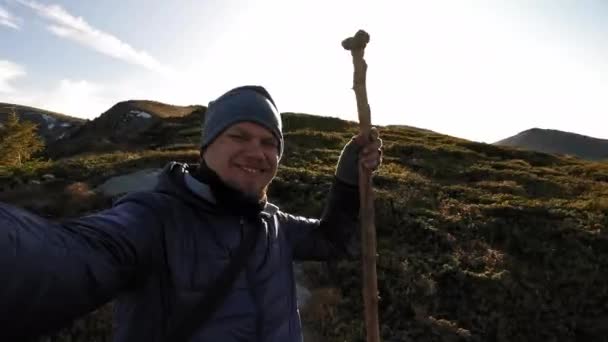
[(481, 70)]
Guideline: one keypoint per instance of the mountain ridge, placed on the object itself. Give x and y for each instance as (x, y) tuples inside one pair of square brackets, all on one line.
[(559, 142), (52, 126)]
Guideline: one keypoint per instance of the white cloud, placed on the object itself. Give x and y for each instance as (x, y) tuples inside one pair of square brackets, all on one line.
[(65, 25), (8, 19), (78, 98), (9, 71)]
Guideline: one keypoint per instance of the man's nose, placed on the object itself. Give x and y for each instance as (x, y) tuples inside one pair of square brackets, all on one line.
[(255, 149)]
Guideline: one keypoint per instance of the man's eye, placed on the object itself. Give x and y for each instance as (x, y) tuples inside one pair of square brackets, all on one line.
[(237, 137)]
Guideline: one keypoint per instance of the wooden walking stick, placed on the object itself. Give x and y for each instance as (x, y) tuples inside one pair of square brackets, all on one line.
[(356, 46)]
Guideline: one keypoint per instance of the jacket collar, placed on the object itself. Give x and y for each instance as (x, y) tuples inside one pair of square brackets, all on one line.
[(201, 189)]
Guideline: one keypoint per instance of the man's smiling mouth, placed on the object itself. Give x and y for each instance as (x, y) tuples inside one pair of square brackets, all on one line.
[(251, 170)]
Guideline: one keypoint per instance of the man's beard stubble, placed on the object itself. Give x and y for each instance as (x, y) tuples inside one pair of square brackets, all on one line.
[(228, 194), (260, 196)]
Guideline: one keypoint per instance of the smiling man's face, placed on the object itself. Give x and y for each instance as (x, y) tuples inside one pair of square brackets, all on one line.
[(245, 156)]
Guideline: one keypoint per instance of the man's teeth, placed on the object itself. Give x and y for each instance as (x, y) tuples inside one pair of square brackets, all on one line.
[(250, 170)]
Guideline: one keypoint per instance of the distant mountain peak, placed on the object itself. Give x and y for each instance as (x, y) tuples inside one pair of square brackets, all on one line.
[(559, 142), (149, 108), (126, 124), (52, 126)]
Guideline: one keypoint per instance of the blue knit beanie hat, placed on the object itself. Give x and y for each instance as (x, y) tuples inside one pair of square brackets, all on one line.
[(246, 103)]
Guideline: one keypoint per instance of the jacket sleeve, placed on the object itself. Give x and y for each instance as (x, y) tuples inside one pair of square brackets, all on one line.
[(331, 236), (54, 272)]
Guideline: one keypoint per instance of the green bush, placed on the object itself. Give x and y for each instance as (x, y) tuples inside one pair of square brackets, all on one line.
[(19, 141)]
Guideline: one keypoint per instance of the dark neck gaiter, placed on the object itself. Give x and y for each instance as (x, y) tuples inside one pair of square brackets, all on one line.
[(229, 199)]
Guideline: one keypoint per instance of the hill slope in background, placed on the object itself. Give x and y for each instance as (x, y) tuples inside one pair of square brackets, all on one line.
[(559, 142), (128, 125), (51, 126), (476, 242)]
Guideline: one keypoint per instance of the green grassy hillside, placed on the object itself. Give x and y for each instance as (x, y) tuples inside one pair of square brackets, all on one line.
[(476, 242)]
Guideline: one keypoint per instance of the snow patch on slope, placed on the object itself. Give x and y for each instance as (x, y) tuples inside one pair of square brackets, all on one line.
[(49, 119), (141, 114)]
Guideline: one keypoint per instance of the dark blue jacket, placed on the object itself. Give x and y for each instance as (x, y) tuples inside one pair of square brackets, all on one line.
[(155, 253)]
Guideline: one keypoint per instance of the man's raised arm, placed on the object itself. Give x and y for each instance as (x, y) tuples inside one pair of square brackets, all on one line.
[(331, 235)]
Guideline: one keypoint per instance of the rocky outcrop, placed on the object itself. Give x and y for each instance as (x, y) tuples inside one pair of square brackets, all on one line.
[(137, 181)]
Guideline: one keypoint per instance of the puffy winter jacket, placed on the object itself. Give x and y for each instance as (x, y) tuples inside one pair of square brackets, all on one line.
[(155, 253)]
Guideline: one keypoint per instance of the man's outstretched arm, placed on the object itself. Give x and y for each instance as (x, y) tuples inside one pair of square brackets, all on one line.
[(54, 272)]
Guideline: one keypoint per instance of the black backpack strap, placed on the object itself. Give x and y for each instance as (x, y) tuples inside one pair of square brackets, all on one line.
[(218, 291)]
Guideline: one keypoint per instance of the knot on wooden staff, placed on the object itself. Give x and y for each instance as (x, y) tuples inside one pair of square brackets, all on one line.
[(357, 42)]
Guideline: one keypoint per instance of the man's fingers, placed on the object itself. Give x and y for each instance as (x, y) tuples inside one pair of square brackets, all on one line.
[(374, 134), (372, 149), (374, 137), (372, 164), (371, 153), (372, 159)]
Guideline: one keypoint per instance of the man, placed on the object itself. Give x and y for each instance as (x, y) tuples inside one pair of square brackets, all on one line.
[(162, 255)]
